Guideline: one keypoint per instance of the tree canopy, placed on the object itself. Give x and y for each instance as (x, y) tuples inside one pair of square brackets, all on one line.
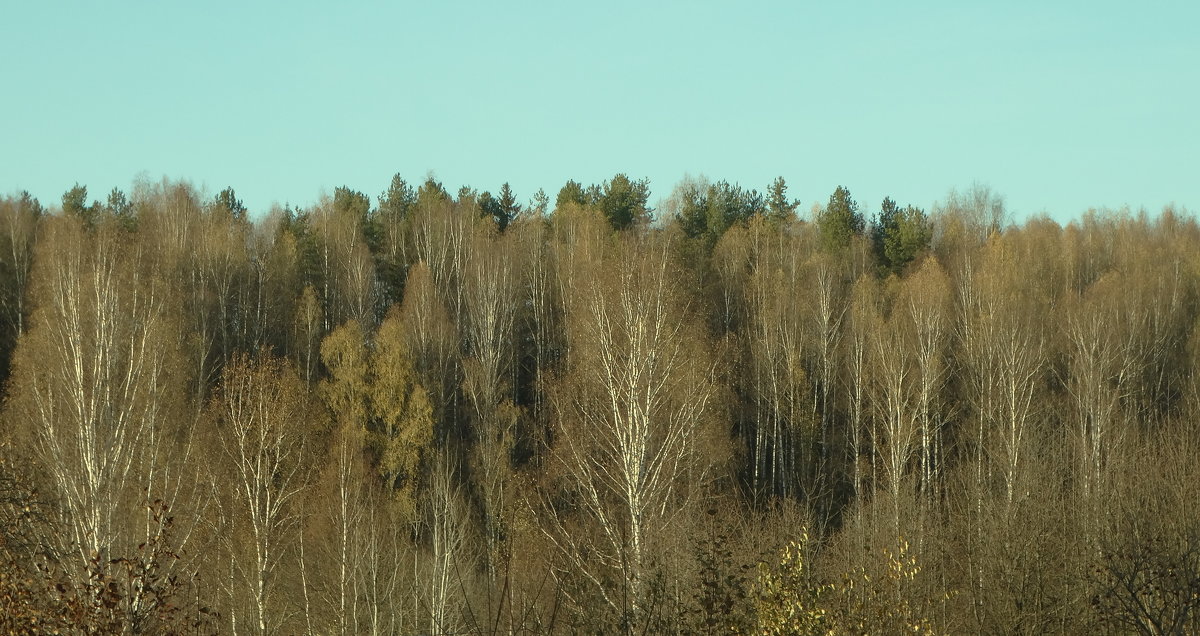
[(436, 412)]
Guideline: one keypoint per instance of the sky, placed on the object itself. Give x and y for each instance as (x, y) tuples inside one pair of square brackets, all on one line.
[(1057, 106)]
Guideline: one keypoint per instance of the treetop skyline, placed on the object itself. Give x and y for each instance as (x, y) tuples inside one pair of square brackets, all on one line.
[(1058, 108)]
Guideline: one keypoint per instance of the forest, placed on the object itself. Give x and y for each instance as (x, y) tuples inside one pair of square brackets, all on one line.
[(434, 413)]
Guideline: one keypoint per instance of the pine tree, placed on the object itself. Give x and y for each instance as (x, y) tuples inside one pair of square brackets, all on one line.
[(840, 221), (507, 206), (227, 202), (779, 207)]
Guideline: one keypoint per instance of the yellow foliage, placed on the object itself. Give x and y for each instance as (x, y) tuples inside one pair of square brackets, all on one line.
[(788, 600), (376, 390)]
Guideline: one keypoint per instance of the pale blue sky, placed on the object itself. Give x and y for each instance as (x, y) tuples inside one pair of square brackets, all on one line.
[(1058, 106)]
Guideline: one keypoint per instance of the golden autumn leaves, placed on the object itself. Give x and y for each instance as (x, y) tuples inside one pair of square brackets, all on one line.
[(374, 393)]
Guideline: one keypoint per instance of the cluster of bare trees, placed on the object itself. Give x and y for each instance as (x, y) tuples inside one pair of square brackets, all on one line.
[(449, 414)]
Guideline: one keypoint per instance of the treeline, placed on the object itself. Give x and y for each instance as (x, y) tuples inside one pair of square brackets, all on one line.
[(448, 414)]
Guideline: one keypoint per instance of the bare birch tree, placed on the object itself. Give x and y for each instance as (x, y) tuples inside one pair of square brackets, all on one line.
[(892, 396), (96, 382), (635, 417), (783, 431), (925, 301), (491, 301), (261, 424), (20, 218)]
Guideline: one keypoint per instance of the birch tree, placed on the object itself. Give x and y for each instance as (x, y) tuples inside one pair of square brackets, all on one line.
[(894, 375), (925, 301), (1100, 377), (783, 431), (636, 416), (862, 319), (431, 343), (95, 387), (827, 278), (491, 301), (261, 425), (348, 285), (441, 575), (20, 218)]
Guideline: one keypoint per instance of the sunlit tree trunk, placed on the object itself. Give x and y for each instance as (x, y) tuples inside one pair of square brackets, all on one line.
[(94, 383), (20, 219), (926, 301), (489, 332), (634, 415), (894, 407), (261, 424)]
